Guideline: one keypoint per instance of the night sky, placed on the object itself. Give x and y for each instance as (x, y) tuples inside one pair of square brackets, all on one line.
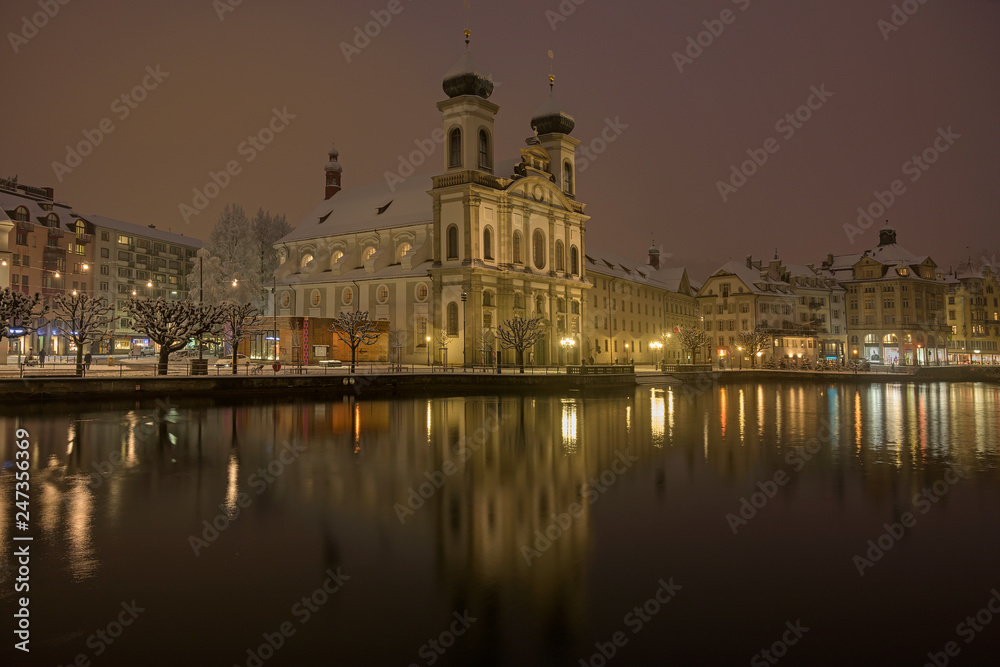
[(894, 92)]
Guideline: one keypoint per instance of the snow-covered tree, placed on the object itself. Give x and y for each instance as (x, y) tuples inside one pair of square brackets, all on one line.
[(355, 328), (235, 276), (238, 322), (753, 342), (266, 230), (397, 339), (19, 313), (172, 324), (82, 319), (520, 333), (692, 339)]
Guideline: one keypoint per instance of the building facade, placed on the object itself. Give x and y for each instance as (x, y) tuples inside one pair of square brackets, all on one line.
[(445, 260), (895, 304), (973, 312)]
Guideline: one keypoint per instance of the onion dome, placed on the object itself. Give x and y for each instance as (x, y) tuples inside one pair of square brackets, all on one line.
[(466, 78), (550, 117), (333, 165)]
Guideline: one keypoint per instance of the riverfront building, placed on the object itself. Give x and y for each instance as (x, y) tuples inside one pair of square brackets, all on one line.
[(895, 304), (973, 311)]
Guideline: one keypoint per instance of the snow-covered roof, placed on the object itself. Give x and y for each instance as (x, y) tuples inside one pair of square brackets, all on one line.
[(604, 263), (9, 201), (140, 230), (360, 275), (755, 279)]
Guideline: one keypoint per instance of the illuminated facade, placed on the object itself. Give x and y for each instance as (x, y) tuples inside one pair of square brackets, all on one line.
[(973, 312)]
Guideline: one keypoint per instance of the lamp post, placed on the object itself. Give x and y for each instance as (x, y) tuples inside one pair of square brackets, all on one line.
[(657, 346), (465, 333), (428, 351), (201, 300), (274, 314), (741, 356)]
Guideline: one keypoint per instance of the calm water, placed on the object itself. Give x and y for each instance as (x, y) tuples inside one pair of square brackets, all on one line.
[(639, 494)]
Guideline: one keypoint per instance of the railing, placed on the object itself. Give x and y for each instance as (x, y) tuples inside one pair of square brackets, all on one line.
[(55, 232), (690, 368), (25, 226), (461, 178)]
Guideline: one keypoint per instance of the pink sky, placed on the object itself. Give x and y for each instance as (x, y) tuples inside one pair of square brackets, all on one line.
[(891, 98)]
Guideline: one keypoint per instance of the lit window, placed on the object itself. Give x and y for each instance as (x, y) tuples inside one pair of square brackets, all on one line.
[(383, 294), (347, 296)]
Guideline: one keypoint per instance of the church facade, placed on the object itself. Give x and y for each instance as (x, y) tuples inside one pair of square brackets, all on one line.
[(443, 265)]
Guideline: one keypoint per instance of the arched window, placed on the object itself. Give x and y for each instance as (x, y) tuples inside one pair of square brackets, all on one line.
[(487, 298), (21, 214), (404, 248), (484, 150), (366, 255), (574, 261), (306, 258), (559, 256), (568, 178), (347, 296), (890, 339), (52, 220), (383, 294), (453, 242), (871, 338), (452, 319), (488, 243), (455, 148), (335, 257), (516, 248), (422, 292), (81, 229), (538, 249)]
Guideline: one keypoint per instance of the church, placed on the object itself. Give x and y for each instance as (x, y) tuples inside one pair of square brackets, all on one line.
[(444, 266)]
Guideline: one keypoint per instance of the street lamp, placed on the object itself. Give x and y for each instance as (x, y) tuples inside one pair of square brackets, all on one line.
[(465, 337), (428, 351), (567, 344), (741, 356), (656, 345)]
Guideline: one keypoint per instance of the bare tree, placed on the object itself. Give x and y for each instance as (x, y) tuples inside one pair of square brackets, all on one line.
[(355, 328), (520, 333), (443, 341), (753, 342), (692, 339), (485, 343), (83, 319), (397, 339), (238, 321), (172, 324), (19, 313)]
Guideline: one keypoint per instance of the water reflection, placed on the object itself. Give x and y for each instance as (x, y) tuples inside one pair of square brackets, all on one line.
[(431, 503)]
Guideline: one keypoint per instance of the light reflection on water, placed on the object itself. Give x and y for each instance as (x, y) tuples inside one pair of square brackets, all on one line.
[(118, 493)]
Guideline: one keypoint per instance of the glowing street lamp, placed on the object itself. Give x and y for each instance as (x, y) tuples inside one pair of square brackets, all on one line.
[(656, 345), (428, 351)]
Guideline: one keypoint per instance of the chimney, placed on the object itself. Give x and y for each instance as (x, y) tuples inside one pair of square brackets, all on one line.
[(333, 172), (654, 257), (50, 194), (749, 261)]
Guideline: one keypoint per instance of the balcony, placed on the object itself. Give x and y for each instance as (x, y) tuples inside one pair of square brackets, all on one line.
[(55, 233), (84, 238), (25, 226)]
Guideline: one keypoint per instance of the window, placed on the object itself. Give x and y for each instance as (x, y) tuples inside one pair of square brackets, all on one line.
[(175, 250), (306, 258), (453, 242), (515, 247), (105, 271), (21, 214), (422, 292), (347, 296), (452, 319), (484, 150), (143, 243), (159, 247), (455, 148), (538, 249), (124, 240), (22, 239), (574, 261), (568, 178), (81, 229), (559, 256), (17, 260), (382, 294), (404, 249), (488, 243), (487, 299), (334, 258), (52, 220)]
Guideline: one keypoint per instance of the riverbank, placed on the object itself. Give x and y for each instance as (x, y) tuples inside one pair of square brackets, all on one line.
[(923, 374), (30, 389)]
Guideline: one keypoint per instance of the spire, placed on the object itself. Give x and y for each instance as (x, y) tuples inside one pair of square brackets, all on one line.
[(550, 118), (333, 172), (465, 78)]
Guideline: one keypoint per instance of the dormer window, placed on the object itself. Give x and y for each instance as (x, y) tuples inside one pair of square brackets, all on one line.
[(21, 214), (367, 254)]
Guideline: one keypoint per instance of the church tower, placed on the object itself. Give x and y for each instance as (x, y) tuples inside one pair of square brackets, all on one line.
[(467, 116)]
